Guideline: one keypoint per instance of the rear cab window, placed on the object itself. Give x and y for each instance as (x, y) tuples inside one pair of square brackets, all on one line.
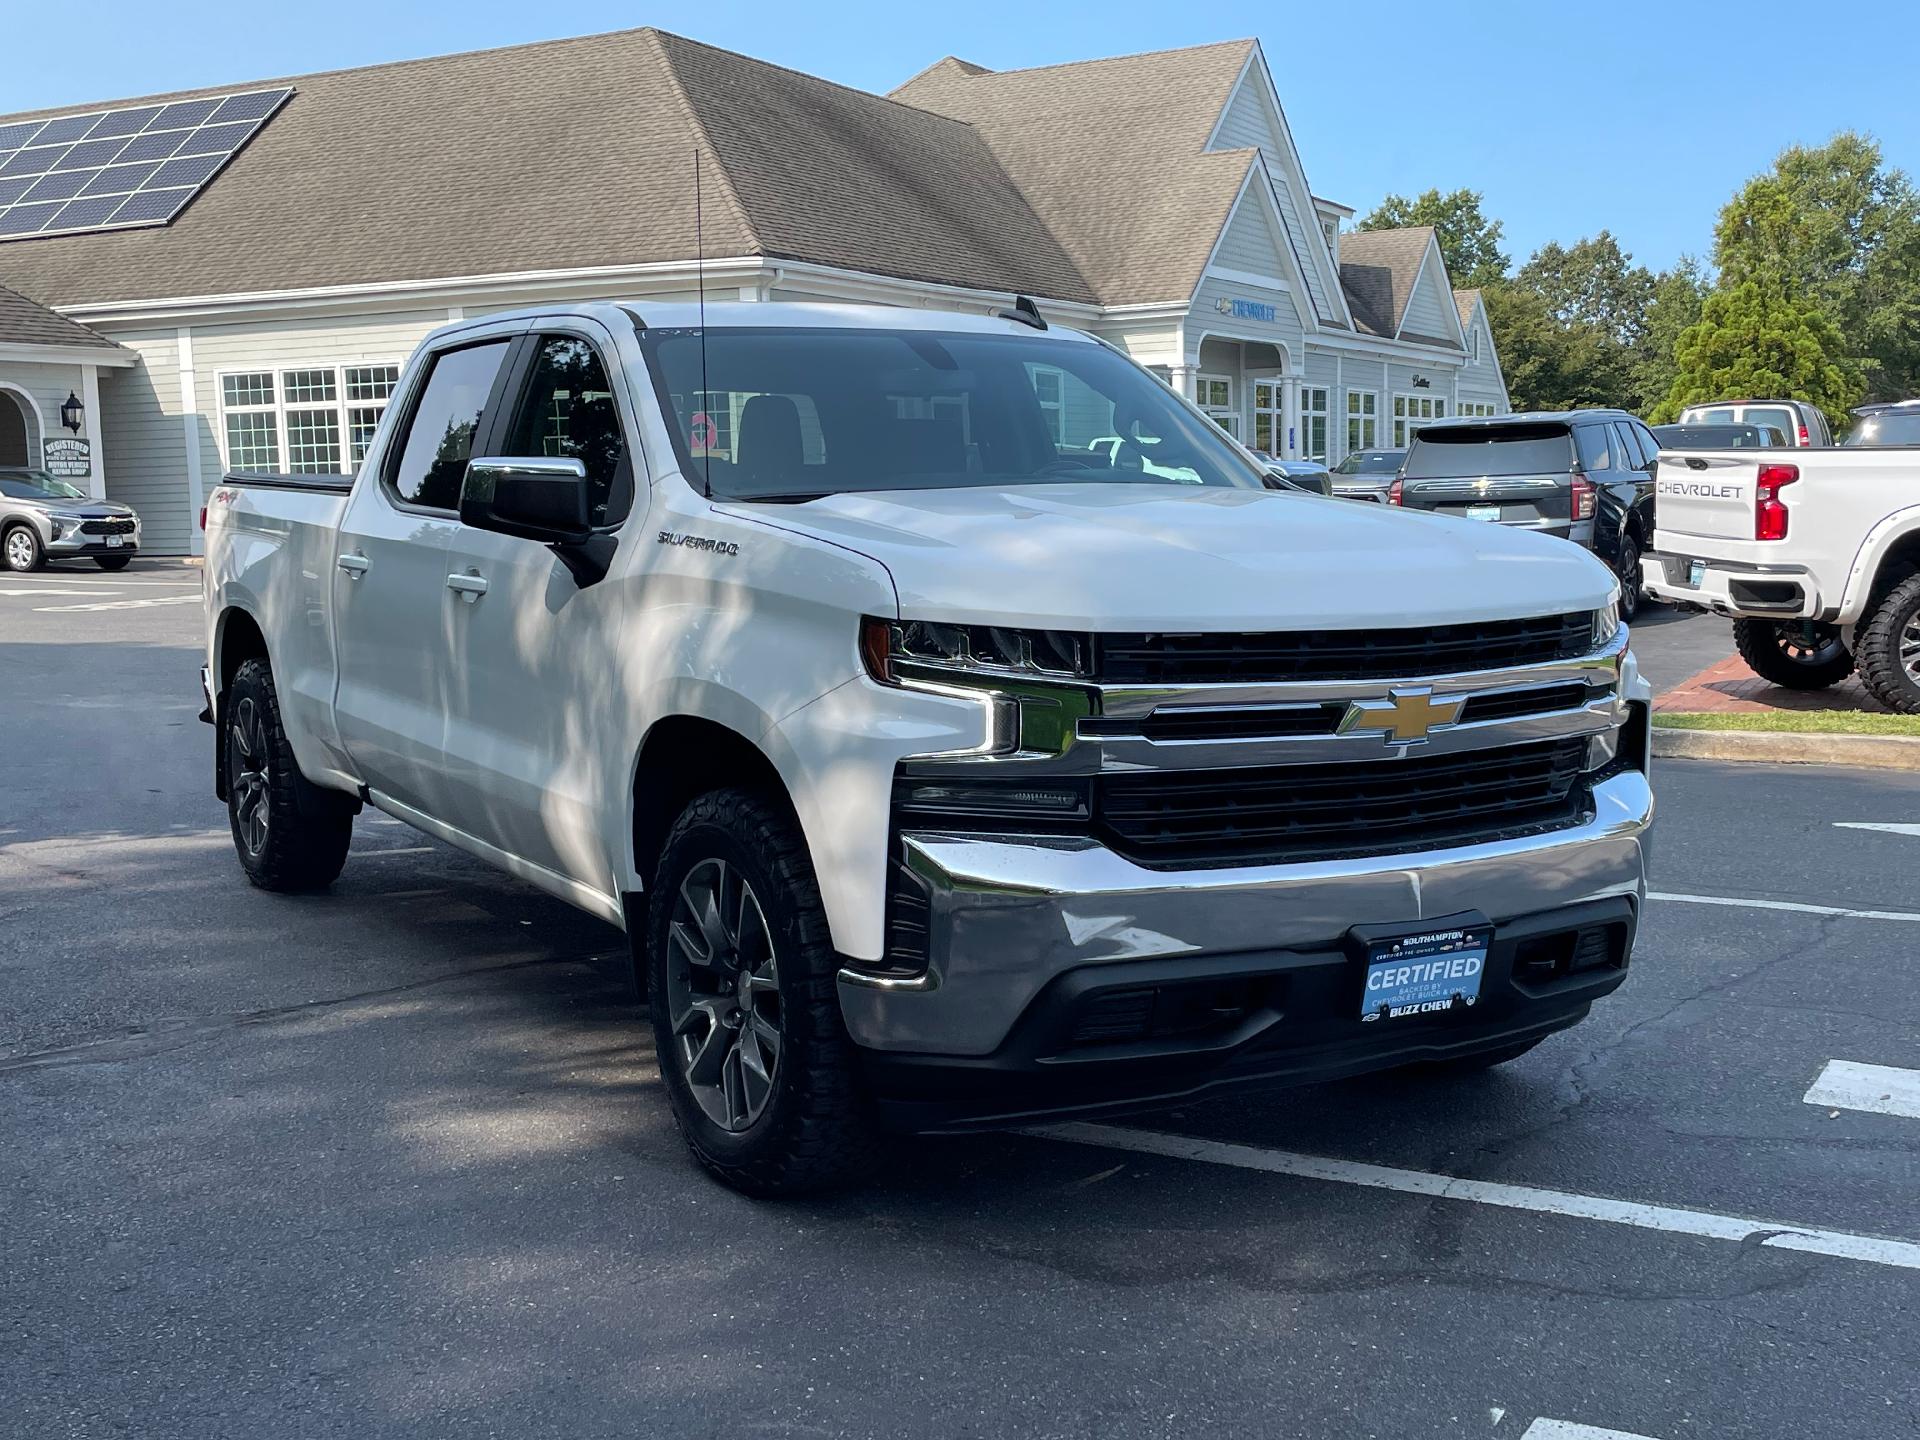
[(429, 466), (1778, 416)]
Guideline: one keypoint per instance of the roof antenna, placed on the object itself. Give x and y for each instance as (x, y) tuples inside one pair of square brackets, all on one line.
[(705, 432)]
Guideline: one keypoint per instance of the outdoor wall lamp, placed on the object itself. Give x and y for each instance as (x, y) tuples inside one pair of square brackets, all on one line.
[(70, 412)]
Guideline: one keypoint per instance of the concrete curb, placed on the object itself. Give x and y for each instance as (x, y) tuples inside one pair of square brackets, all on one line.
[(1873, 752)]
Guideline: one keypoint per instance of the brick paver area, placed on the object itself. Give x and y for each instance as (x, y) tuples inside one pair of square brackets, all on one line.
[(1730, 687)]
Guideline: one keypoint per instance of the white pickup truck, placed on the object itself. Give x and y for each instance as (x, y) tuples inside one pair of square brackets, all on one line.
[(941, 769), (1814, 552)]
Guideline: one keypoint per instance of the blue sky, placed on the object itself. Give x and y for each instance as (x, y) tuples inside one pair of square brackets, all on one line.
[(1643, 122)]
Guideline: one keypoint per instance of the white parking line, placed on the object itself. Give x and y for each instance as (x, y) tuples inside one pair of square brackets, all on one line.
[(1545, 1429), (1793, 905), (1845, 1245), (52, 590), (1880, 1089), (1884, 827), (407, 850), (193, 599)]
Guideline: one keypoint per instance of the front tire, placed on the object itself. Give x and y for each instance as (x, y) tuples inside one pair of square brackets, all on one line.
[(1798, 654), (281, 847), (113, 562), (757, 1065), (21, 550), (1889, 645)]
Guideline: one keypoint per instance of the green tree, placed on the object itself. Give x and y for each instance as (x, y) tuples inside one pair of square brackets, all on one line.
[(1469, 241), (1550, 364), (1593, 282), (1756, 338), (1678, 295), (1834, 223)]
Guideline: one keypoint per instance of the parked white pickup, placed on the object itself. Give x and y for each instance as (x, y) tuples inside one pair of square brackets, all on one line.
[(943, 767), (1814, 552)]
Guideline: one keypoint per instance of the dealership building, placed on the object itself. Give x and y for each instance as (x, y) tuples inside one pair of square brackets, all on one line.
[(231, 277)]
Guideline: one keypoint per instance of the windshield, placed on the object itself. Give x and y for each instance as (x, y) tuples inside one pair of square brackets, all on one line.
[(1715, 437), (793, 414), (1887, 428), (1475, 450), (1371, 462), (37, 485)]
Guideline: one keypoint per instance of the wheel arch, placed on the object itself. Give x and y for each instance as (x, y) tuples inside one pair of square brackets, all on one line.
[(1889, 554)]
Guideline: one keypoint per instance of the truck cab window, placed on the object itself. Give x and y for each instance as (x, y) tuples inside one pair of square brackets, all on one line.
[(568, 410), (440, 432)]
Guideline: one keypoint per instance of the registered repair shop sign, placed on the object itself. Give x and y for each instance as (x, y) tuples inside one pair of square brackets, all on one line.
[(69, 459), (1425, 972)]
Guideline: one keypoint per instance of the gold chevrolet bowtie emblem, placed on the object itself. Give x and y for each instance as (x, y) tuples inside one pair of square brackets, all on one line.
[(1405, 717)]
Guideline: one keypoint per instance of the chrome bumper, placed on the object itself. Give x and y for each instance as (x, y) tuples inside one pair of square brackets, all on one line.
[(1007, 918)]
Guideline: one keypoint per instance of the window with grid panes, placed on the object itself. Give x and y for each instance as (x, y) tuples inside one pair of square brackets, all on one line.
[(314, 420)]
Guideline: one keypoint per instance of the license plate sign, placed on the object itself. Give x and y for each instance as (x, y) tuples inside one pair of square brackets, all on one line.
[(1424, 973), (1696, 572), (113, 542), (1483, 512)]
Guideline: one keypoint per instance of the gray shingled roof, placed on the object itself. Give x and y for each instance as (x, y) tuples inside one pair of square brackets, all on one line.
[(1378, 269), (566, 154), (24, 323), (1112, 156)]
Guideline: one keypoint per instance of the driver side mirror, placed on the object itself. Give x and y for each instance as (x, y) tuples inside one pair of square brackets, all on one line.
[(537, 497), (1314, 482)]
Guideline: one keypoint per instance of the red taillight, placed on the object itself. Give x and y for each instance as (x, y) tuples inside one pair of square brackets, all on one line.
[(1769, 513), (1582, 497), (1394, 493), (203, 517), (1803, 436)]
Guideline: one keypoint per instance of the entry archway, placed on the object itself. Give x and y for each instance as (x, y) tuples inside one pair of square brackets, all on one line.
[(18, 443)]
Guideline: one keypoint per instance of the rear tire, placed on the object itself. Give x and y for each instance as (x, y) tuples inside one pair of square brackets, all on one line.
[(762, 1077), (281, 847), (1783, 652), (113, 562), (21, 550), (1629, 571), (1889, 645)]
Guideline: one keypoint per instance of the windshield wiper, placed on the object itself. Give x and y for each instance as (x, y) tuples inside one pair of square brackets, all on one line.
[(790, 497)]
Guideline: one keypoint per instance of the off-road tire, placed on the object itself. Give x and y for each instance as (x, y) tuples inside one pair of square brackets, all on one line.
[(302, 849), (1878, 643), (113, 562), (21, 558), (1631, 595), (817, 1130), (1485, 1060), (1760, 645)]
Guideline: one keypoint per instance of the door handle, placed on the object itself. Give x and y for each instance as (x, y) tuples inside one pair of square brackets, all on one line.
[(354, 563), (469, 587)]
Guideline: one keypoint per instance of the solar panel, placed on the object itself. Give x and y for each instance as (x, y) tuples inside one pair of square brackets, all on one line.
[(115, 169)]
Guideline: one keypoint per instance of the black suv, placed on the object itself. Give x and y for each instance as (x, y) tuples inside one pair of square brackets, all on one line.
[(1585, 475)]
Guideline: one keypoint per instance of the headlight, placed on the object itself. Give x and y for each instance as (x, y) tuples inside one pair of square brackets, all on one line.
[(1606, 622), (895, 649)]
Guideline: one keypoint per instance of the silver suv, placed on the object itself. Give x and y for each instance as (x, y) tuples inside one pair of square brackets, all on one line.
[(42, 519)]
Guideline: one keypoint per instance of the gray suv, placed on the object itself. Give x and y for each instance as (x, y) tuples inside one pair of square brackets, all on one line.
[(44, 519)]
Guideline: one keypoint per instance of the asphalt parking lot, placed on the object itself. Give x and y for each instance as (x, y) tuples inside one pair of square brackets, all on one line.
[(393, 1160)]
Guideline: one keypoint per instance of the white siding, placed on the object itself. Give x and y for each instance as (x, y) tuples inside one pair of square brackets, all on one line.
[(1155, 343), (1251, 244), (1430, 309), (146, 441), (1246, 126), (1481, 380)]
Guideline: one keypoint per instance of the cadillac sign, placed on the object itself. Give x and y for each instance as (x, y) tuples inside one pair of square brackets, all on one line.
[(1247, 309)]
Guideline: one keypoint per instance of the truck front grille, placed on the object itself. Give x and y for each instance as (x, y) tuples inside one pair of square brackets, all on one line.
[(106, 527), (1176, 659), (1290, 813)]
